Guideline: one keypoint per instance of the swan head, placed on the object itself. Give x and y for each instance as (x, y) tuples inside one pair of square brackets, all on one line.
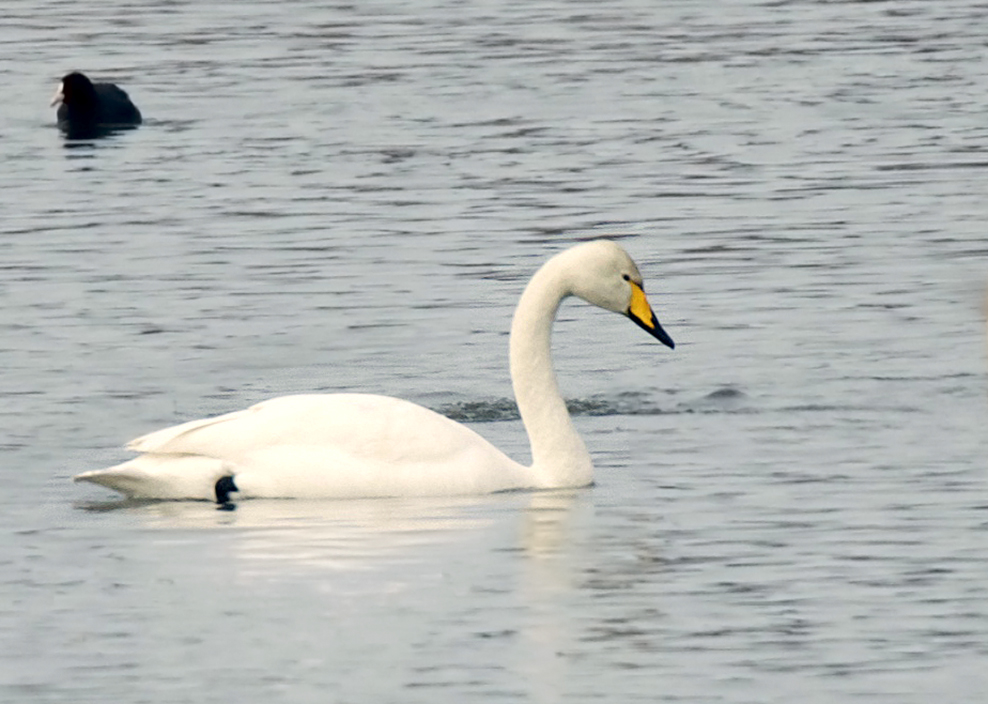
[(602, 273)]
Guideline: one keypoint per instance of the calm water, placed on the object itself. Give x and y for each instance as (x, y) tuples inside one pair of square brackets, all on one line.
[(791, 506)]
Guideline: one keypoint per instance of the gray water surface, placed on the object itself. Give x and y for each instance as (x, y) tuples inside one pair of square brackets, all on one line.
[(791, 506)]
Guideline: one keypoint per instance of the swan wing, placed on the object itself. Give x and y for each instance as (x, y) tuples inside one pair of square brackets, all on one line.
[(388, 430)]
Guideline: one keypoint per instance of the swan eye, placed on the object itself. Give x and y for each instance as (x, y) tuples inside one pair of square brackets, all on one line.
[(625, 277)]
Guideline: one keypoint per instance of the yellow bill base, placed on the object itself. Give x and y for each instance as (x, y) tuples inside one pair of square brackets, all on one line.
[(640, 308)]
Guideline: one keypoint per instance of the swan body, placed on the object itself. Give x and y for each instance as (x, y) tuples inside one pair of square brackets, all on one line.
[(364, 445)]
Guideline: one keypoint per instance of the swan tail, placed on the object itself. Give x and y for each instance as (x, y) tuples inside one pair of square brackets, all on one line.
[(162, 477)]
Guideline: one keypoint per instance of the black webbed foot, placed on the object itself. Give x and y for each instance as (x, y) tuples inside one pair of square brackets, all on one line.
[(224, 486)]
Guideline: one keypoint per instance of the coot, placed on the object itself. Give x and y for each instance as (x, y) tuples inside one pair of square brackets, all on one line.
[(88, 109)]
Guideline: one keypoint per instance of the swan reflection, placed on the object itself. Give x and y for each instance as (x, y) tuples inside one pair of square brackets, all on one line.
[(359, 534)]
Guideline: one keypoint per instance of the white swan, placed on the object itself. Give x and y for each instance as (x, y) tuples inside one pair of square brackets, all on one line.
[(361, 445)]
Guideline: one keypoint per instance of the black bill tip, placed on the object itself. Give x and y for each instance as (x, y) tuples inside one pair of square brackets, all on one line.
[(653, 328)]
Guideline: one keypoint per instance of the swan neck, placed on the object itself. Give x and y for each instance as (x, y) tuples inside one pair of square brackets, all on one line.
[(559, 457)]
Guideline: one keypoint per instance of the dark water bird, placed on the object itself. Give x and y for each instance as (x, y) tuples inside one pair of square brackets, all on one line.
[(87, 109)]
